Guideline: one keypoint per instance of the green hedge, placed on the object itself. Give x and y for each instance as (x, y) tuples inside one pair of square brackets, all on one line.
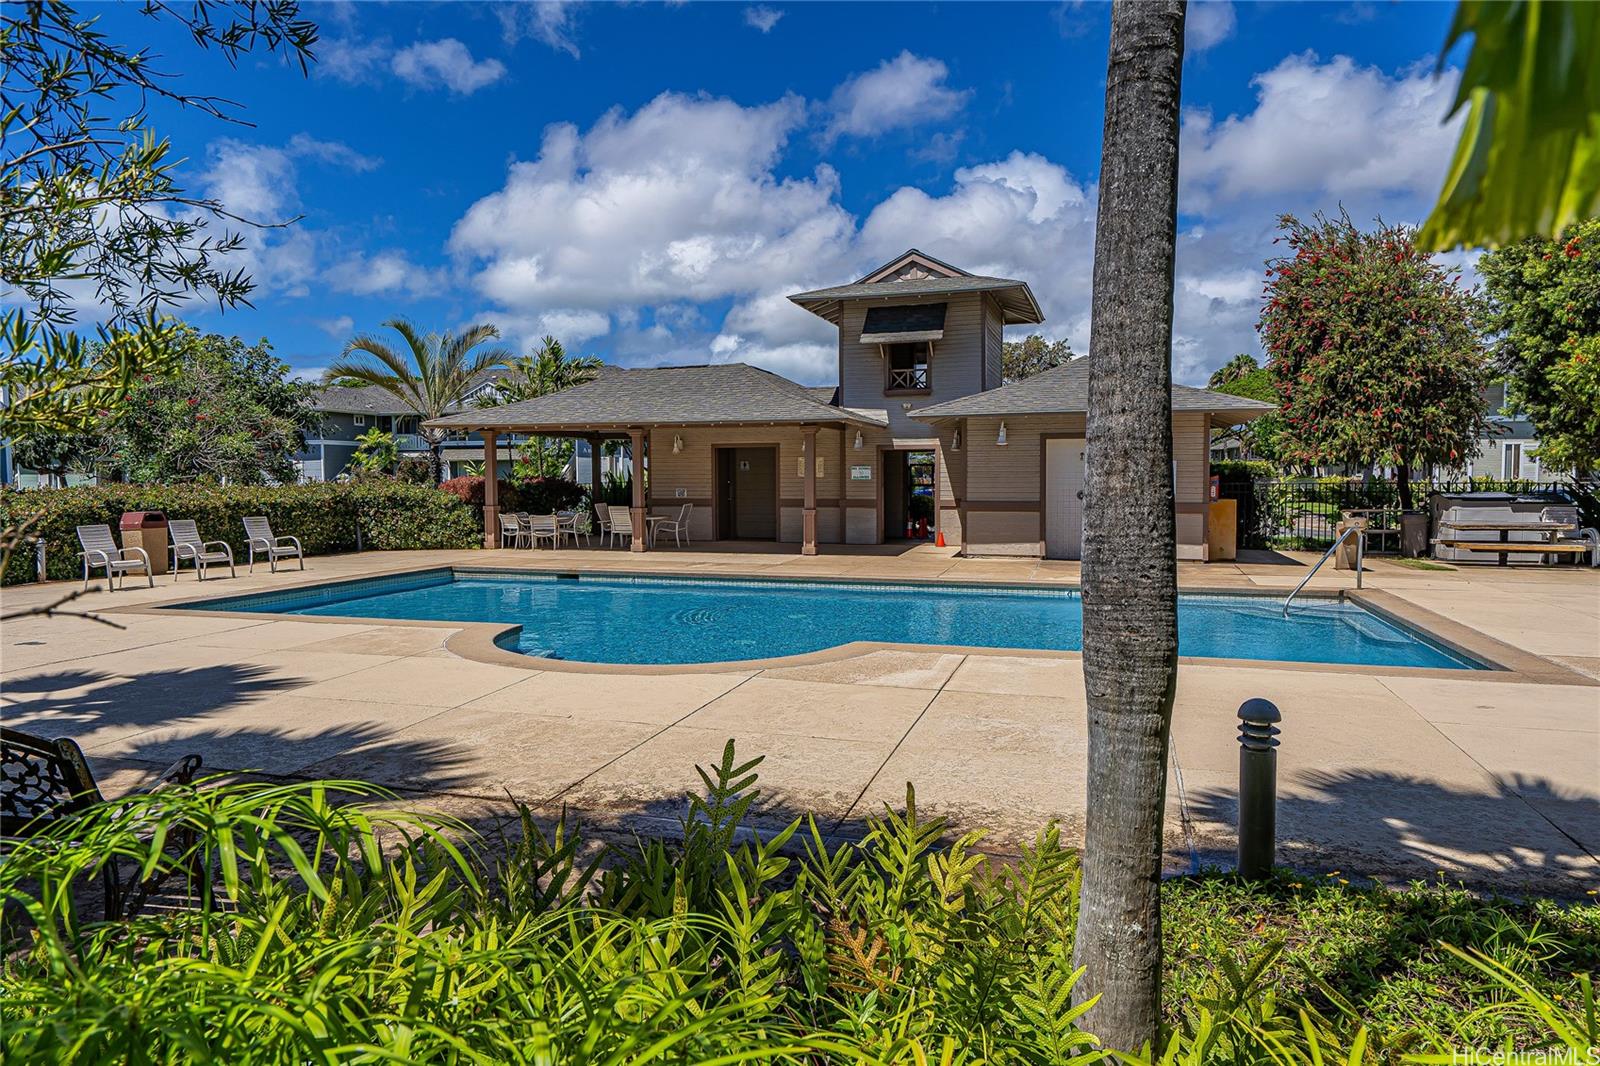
[(391, 515)]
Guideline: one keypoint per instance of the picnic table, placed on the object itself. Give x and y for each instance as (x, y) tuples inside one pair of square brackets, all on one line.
[(1503, 548)]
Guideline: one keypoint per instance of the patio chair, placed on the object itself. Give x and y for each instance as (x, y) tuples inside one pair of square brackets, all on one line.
[(602, 516), (621, 526), (188, 544), (544, 527), (100, 550), (262, 540), (567, 524), (43, 782), (510, 530), (1582, 535), (678, 527)]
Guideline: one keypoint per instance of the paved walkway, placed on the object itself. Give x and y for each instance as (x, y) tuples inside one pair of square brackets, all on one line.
[(1381, 774)]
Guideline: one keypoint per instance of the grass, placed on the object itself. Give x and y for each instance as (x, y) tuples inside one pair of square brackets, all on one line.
[(324, 926), (1418, 564)]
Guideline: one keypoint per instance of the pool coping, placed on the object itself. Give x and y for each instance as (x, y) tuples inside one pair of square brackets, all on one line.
[(479, 641)]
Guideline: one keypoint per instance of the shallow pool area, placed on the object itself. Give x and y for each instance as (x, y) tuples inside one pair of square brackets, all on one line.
[(635, 620)]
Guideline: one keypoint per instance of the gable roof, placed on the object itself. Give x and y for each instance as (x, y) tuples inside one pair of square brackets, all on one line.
[(1017, 303), (710, 394), (912, 257), (1065, 390)]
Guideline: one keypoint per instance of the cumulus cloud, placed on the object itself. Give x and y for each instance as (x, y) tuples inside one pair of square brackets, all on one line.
[(1332, 127), (354, 62), (762, 17), (448, 63), (551, 22), (387, 271), (338, 328), (1208, 24), (907, 90), (334, 153)]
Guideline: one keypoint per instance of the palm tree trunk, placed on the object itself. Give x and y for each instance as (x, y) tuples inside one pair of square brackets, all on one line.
[(1130, 590)]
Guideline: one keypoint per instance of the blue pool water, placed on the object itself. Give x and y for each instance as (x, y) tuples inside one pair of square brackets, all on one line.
[(669, 620)]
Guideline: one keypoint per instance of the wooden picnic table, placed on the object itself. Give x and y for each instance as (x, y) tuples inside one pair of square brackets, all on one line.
[(1504, 548)]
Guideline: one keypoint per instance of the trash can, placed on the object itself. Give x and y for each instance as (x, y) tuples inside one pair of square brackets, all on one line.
[(147, 530), (1345, 557), (1414, 534)]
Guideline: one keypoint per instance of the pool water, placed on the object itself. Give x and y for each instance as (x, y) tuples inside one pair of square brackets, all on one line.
[(669, 620)]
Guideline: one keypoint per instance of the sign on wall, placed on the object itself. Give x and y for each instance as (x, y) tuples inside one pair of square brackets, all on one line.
[(861, 473)]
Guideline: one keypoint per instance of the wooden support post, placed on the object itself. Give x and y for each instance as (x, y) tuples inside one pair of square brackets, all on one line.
[(594, 473), (808, 519), (491, 490), (639, 541)]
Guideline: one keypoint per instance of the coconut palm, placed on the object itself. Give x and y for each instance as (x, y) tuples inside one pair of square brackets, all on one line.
[(1130, 595), (431, 376), (546, 370), (1233, 370)]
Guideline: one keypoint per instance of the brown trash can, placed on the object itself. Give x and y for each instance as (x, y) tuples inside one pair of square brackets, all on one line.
[(147, 530), (1414, 534)]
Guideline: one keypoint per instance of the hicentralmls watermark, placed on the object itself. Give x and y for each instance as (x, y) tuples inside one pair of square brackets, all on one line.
[(1483, 1056)]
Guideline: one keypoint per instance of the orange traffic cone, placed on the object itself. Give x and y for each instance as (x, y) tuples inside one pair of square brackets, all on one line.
[(938, 540)]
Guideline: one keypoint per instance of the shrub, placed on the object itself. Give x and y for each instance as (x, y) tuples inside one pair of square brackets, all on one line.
[(546, 495), (345, 927), (390, 514)]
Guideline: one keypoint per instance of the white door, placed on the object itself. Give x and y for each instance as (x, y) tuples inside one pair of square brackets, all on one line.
[(1063, 498)]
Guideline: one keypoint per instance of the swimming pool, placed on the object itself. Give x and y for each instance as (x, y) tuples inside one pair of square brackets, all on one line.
[(661, 620)]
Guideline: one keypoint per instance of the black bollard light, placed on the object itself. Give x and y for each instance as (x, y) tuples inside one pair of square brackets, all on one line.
[(1258, 786)]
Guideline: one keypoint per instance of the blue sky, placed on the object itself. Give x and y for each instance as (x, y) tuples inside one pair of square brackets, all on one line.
[(647, 182)]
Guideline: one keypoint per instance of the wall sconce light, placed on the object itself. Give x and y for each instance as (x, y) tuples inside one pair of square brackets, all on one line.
[(955, 445), (677, 444), (1001, 439), (858, 440)]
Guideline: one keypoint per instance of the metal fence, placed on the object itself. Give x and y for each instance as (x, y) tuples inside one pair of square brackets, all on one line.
[(1302, 513)]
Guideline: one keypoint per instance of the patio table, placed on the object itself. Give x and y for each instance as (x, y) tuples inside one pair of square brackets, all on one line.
[(1550, 530), (651, 521)]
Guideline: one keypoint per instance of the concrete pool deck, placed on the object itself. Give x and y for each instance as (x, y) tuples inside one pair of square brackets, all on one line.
[(1384, 773)]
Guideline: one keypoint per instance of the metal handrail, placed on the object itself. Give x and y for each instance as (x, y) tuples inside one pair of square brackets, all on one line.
[(1361, 558)]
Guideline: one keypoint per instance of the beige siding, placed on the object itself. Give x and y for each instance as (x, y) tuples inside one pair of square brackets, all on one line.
[(955, 365), (1003, 533), (994, 343)]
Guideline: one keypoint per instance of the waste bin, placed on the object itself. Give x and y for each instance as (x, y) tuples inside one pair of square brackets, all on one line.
[(1414, 534), (1345, 557), (147, 530)]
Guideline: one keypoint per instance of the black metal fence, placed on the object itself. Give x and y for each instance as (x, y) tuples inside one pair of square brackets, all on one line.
[(1302, 513)]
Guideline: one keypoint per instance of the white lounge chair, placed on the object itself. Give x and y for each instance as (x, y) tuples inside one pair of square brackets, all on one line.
[(262, 540), (621, 525), (678, 527), (544, 527), (188, 544), (100, 550)]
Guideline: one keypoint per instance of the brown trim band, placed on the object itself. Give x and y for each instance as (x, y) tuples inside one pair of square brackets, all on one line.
[(1024, 506), (796, 501)]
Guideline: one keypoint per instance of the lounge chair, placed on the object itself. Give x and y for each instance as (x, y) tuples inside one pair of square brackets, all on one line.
[(262, 540), (678, 527), (544, 527), (510, 531), (100, 550), (188, 544), (47, 781)]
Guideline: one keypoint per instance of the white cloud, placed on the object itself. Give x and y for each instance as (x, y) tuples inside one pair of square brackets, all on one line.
[(333, 153), (904, 91), (447, 62), (1208, 24), (388, 271), (352, 61), (338, 328), (762, 17), (1331, 127), (548, 21)]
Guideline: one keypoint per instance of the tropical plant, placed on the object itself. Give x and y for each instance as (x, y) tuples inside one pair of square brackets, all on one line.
[(1130, 670), (1546, 300), (1232, 370), (548, 369), (1376, 350), (1027, 357), (432, 376), (377, 452), (1528, 161), (1259, 436)]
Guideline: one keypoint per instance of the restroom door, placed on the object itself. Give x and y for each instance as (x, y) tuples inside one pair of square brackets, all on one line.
[(747, 493), (1063, 497)]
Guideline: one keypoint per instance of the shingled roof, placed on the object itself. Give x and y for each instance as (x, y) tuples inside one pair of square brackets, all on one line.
[(1016, 299), (1065, 390), (714, 394)]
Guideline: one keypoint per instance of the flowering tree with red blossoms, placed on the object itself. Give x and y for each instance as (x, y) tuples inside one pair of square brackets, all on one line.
[(1377, 351)]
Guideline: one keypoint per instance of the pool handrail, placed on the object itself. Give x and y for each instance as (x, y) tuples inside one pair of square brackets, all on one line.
[(1361, 544)]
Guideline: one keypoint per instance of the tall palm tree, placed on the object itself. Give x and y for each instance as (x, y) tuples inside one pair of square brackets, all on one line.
[(1130, 586), (546, 370), (431, 376), (1233, 370)]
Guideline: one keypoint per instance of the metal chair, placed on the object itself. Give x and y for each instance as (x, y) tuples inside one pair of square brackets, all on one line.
[(188, 544), (100, 550), (510, 530), (678, 527), (544, 527), (259, 531), (43, 783)]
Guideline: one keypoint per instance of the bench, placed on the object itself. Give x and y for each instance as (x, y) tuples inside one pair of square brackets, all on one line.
[(1504, 548)]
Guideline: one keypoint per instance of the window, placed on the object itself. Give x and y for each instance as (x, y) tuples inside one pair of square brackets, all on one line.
[(907, 366), (1513, 462), (361, 420)]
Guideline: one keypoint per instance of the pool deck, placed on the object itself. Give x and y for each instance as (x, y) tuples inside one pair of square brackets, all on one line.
[(1492, 778)]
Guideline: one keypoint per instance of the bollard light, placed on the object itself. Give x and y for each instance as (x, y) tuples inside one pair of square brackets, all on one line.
[(1258, 786)]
